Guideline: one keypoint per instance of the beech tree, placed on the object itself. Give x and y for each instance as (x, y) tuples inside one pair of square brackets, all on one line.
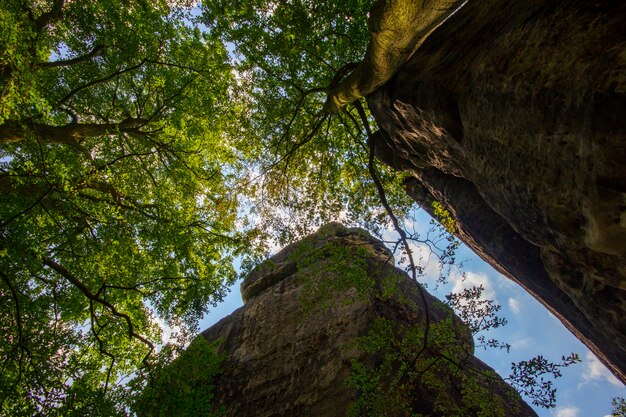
[(116, 201), (305, 66), (311, 164)]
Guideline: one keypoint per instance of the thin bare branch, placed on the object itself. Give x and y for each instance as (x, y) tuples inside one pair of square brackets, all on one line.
[(396, 224)]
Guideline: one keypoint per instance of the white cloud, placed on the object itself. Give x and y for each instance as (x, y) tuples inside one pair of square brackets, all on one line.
[(595, 371), (166, 331), (521, 343), (567, 412), (514, 306), (473, 279)]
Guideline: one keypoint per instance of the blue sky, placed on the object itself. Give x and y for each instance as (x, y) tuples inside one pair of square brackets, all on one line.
[(585, 390)]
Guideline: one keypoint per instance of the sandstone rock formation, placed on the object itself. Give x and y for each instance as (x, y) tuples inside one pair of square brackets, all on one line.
[(290, 349), (513, 114)]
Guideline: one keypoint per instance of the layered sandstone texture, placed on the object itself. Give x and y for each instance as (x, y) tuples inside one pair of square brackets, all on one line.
[(513, 114), (292, 347)]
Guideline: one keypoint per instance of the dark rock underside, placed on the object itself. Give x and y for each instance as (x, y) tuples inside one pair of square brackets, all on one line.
[(513, 114)]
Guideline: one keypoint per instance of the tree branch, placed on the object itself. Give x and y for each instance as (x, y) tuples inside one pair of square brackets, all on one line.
[(48, 18), (179, 66), (103, 351), (286, 157), (96, 298), (97, 50), (27, 209), (287, 129), (18, 314), (75, 91), (118, 200), (397, 29), (394, 220), (69, 134)]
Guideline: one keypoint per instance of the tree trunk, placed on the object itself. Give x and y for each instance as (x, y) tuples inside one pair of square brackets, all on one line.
[(397, 28), (70, 134)]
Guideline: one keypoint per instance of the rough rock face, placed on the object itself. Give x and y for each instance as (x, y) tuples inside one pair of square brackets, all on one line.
[(289, 349), (512, 114)]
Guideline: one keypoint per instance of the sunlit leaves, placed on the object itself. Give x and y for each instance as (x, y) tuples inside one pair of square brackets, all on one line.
[(117, 209), (306, 167)]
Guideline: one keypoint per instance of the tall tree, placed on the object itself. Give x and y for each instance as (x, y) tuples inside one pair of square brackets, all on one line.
[(310, 164), (305, 62), (116, 201)]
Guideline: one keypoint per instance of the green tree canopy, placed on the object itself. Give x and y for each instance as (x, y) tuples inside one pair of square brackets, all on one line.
[(129, 138), (314, 163), (116, 181)]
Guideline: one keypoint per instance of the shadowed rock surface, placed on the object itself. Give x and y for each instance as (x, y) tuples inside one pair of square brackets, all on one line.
[(512, 114), (289, 349)]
